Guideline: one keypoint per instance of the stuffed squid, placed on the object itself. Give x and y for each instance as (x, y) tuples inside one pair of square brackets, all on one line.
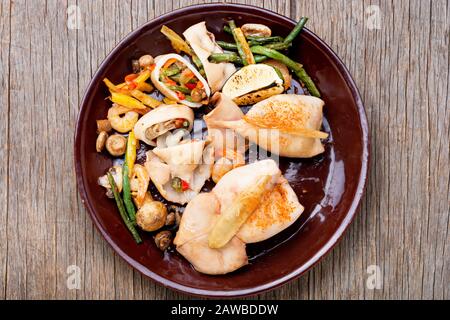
[(286, 124), (259, 186), (178, 80), (225, 110), (163, 120), (192, 239), (229, 147), (203, 44), (179, 172), (278, 208)]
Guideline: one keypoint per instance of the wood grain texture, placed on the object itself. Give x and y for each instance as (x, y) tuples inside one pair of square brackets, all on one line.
[(401, 69)]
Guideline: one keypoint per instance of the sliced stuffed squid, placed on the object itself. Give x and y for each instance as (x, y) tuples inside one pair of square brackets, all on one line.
[(163, 120), (179, 172), (178, 80), (203, 44)]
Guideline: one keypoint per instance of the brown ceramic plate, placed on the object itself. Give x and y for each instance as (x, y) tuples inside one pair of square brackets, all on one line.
[(329, 186)]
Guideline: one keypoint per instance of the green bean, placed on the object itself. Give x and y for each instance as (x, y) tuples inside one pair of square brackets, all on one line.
[(127, 194), (233, 58), (227, 45), (242, 44), (253, 40), (275, 45), (278, 46), (263, 40), (180, 89), (171, 72), (294, 33), (294, 66), (233, 47), (309, 83), (122, 211), (198, 64), (227, 29), (271, 53), (259, 58), (176, 77), (197, 61)]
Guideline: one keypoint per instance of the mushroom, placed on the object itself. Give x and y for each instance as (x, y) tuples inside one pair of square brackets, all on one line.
[(101, 140), (103, 125), (145, 61), (256, 30), (171, 219), (116, 145), (151, 216), (163, 240)]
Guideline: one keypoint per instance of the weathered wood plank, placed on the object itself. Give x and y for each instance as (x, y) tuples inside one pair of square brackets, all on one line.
[(20, 165), (5, 20)]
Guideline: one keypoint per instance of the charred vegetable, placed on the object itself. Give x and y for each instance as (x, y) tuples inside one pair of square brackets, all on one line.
[(294, 66), (122, 211), (253, 83), (131, 210), (233, 58), (295, 32), (242, 44)]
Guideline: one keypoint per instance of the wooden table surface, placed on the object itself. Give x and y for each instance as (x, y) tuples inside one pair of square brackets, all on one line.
[(401, 67)]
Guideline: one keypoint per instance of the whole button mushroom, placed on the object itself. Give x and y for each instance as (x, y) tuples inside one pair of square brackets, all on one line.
[(151, 216)]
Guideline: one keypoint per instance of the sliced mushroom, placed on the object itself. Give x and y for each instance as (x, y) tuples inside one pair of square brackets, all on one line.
[(256, 30), (101, 141), (163, 240), (103, 125), (171, 219)]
